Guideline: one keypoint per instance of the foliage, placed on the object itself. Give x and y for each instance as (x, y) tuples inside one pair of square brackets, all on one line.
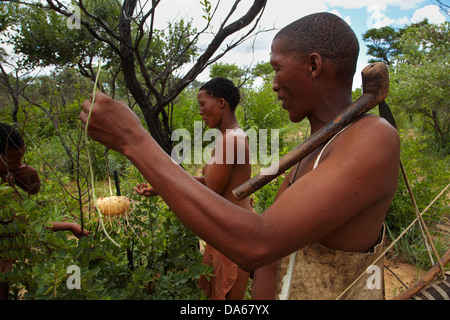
[(226, 70), (265, 197), (146, 63), (171, 49), (428, 174), (422, 82), (186, 104), (418, 55), (5, 16), (384, 44), (261, 109), (166, 263)]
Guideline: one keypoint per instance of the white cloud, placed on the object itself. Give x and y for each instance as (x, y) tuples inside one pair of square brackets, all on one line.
[(378, 18), (382, 4), (403, 21), (430, 12), (279, 13), (346, 19), (377, 11), (282, 12)]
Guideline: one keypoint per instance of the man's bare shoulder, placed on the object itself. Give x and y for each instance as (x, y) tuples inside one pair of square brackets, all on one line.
[(368, 148), (372, 132), (374, 122)]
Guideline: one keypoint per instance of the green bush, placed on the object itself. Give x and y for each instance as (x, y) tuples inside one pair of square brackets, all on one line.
[(428, 174), (158, 257)]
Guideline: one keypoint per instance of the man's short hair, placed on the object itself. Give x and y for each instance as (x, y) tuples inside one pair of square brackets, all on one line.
[(10, 138), (326, 34), (223, 88)]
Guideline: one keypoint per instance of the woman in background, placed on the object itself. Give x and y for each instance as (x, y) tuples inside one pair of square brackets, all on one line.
[(227, 169)]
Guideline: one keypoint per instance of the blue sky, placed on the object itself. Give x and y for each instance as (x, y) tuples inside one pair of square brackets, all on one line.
[(387, 13), (362, 15)]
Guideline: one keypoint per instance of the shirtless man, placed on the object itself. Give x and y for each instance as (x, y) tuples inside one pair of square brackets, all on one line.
[(341, 204)]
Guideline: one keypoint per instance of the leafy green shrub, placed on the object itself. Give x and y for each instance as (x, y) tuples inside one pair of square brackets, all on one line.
[(158, 257), (264, 197), (428, 174), (261, 110)]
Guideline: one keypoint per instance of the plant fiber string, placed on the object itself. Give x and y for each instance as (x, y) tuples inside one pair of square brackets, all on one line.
[(90, 162), (397, 239)]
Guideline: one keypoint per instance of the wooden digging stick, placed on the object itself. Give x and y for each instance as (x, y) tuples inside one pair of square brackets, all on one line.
[(375, 81), (425, 280)]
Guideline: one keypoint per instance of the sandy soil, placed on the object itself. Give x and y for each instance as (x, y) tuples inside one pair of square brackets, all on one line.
[(407, 273)]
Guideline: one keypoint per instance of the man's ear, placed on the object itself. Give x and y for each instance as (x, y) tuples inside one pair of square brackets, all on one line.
[(222, 103), (315, 64)]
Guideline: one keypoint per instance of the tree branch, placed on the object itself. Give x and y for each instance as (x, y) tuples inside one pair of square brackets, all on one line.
[(203, 61), (86, 24)]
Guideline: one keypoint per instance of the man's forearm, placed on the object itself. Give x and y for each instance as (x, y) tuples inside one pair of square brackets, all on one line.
[(227, 227), (236, 232)]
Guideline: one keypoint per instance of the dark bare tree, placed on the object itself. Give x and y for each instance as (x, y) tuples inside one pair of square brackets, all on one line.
[(155, 82)]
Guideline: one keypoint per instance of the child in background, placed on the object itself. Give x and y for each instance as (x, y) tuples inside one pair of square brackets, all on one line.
[(15, 173)]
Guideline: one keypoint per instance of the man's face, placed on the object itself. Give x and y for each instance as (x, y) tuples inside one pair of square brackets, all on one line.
[(11, 160), (290, 82)]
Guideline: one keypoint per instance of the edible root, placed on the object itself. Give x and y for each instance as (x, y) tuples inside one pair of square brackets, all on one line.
[(114, 205)]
